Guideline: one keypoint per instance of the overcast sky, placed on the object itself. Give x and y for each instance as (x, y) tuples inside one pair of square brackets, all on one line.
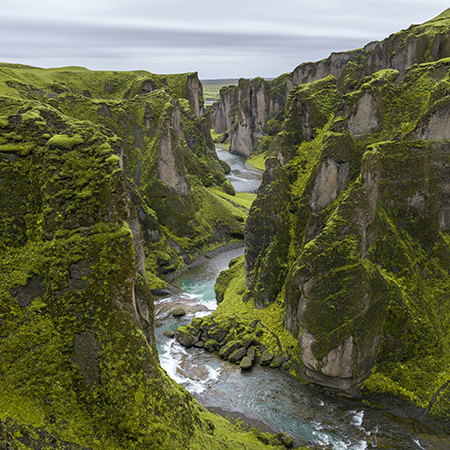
[(219, 39)]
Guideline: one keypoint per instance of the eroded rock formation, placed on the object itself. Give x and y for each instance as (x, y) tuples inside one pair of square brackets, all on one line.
[(103, 191), (347, 240), (256, 102)]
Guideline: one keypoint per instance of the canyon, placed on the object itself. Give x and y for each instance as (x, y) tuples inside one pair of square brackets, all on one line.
[(111, 186)]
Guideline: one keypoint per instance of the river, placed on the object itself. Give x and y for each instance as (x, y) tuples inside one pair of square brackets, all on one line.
[(270, 398)]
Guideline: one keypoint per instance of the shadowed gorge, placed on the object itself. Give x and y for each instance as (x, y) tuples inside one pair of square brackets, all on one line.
[(111, 186)]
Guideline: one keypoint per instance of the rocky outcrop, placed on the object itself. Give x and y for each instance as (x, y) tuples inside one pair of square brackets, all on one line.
[(194, 93), (435, 125), (223, 112), (169, 158), (257, 102), (364, 118), (265, 234), (347, 238), (244, 110), (170, 165)]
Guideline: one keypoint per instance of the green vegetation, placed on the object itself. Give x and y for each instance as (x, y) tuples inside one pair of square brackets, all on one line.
[(110, 184), (147, 113), (211, 88), (347, 242), (258, 161), (97, 171), (239, 199)]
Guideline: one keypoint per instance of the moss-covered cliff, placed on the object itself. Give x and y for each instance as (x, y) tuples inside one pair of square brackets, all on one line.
[(347, 244), (255, 110), (104, 186), (165, 148)]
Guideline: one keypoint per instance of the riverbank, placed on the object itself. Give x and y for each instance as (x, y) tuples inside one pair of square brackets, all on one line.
[(251, 422), (204, 257)]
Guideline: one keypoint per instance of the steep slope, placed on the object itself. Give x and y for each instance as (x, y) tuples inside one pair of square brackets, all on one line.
[(252, 113), (166, 151), (347, 245), (83, 158)]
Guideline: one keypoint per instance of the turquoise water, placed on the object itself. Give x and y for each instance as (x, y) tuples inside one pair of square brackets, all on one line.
[(271, 396)]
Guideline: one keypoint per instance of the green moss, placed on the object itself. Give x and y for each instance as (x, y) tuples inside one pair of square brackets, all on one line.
[(370, 263), (259, 161), (133, 109), (77, 370), (230, 287), (239, 199), (64, 141)]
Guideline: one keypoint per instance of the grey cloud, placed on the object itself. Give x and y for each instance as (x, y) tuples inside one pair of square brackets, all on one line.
[(67, 38), (316, 29)]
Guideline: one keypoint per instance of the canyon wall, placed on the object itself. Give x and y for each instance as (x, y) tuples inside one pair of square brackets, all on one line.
[(104, 194), (257, 103), (347, 241)]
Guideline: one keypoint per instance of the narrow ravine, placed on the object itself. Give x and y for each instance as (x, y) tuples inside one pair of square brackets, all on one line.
[(267, 397)]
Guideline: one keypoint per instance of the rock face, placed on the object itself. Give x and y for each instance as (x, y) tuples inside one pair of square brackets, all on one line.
[(194, 93), (169, 159), (244, 111), (266, 234), (258, 102), (348, 235), (170, 168)]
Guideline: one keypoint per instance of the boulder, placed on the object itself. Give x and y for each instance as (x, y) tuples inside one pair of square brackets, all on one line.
[(246, 363), (228, 349), (247, 340), (277, 361), (169, 333), (184, 337), (178, 312), (251, 353), (216, 333), (211, 345), (266, 357), (237, 355)]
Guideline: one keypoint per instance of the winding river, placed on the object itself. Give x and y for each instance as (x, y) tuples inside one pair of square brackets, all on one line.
[(271, 398)]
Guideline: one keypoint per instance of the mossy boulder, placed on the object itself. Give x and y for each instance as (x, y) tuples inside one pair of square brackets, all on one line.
[(178, 312), (185, 337), (211, 345), (229, 348), (246, 363), (251, 353), (218, 332), (266, 357), (277, 361), (237, 355)]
